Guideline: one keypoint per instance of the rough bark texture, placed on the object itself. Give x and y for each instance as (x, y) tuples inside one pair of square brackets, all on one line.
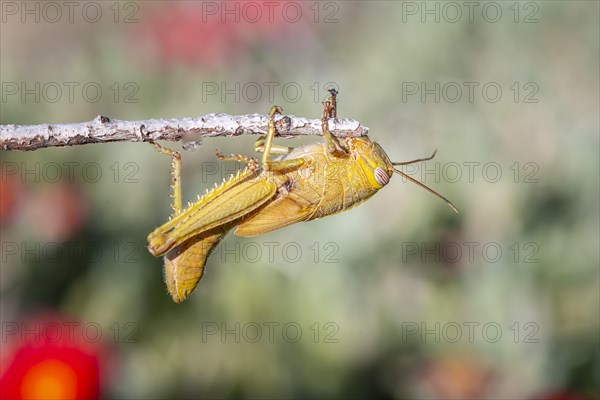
[(103, 129)]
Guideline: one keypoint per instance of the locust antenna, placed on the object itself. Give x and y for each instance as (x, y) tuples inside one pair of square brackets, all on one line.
[(424, 186), (416, 161)]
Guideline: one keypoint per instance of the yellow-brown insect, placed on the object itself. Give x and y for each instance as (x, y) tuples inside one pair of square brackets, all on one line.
[(304, 183)]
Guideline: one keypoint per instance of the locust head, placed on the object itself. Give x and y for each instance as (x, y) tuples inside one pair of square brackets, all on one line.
[(378, 167), (373, 161)]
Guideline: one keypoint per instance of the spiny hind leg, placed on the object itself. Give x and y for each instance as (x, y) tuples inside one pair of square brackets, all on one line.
[(175, 176)]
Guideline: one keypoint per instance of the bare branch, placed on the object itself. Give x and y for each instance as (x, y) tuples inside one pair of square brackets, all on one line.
[(102, 129)]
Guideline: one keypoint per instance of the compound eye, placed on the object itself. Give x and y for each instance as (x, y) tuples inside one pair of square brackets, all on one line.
[(381, 176)]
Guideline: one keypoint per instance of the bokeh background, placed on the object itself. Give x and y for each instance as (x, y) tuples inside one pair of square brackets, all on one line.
[(398, 298)]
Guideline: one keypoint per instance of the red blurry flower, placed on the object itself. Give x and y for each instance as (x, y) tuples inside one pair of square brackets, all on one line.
[(9, 193), (181, 33), (49, 358), (213, 34)]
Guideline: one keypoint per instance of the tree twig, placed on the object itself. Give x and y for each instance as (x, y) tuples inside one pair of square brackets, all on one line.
[(103, 129)]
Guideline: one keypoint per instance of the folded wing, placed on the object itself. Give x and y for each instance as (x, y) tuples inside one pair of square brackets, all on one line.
[(281, 212)]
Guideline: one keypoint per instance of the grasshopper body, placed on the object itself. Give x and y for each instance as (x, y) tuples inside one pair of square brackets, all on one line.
[(304, 183), (323, 185)]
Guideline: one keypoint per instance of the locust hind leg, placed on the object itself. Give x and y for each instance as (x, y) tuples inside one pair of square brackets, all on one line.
[(184, 265), (175, 176)]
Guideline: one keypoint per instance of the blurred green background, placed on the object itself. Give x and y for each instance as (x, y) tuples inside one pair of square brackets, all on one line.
[(398, 298)]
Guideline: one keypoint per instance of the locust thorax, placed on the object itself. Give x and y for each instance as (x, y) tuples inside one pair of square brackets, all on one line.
[(372, 159)]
